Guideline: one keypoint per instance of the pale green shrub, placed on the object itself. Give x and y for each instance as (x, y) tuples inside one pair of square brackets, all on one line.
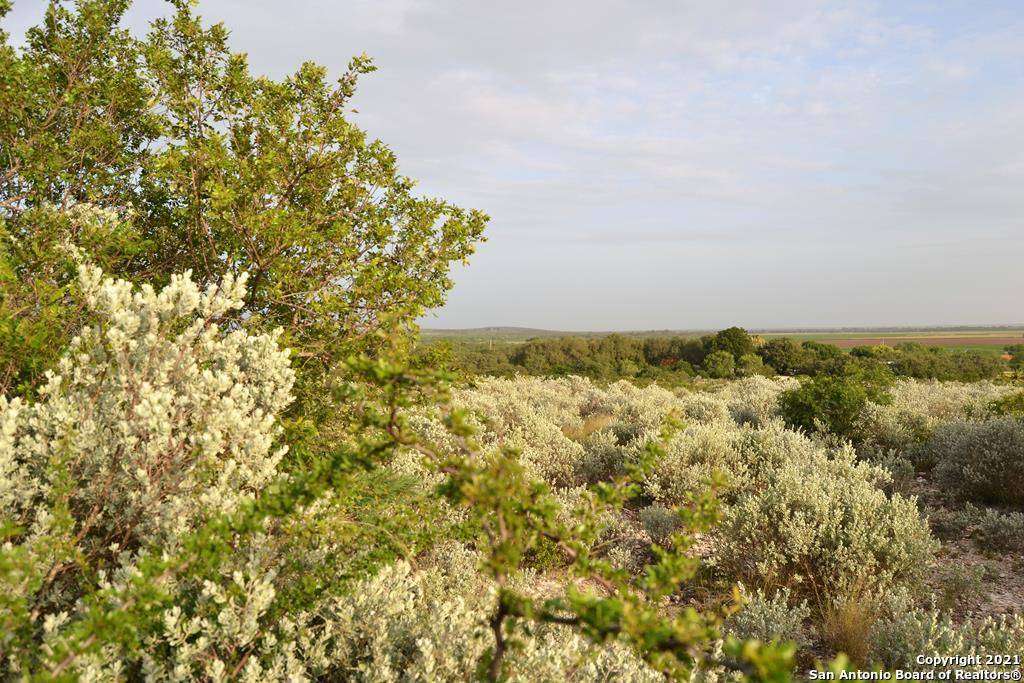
[(920, 406), (644, 408), (568, 430), (531, 415), (766, 448), (945, 401), (431, 624), (801, 513), (659, 522), (409, 463), (156, 420), (431, 430), (820, 526), (951, 523), (406, 625), (162, 417), (212, 621), (603, 457), (767, 618), (622, 539), (626, 433), (899, 467), (509, 400), (883, 428), (546, 451), (905, 632), (689, 461), (960, 585), (755, 400), (703, 408), (999, 531), (716, 673), (982, 461), (630, 554)]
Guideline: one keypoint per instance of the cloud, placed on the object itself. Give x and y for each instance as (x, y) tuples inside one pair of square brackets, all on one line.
[(636, 156)]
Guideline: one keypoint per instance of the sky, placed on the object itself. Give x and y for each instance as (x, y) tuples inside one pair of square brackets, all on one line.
[(690, 164)]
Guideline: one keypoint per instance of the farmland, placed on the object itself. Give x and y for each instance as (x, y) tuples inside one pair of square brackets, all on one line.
[(984, 338)]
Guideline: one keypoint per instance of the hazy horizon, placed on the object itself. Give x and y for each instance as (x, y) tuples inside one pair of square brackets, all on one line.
[(691, 165), (766, 330)]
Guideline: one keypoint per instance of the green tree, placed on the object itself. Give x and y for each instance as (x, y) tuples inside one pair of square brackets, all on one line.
[(1012, 404), (719, 364), (821, 351), (734, 340), (783, 354), (833, 403), (751, 364), (1016, 353), (222, 172), (74, 126)]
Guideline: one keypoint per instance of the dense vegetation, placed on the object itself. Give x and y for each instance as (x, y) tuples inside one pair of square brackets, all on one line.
[(728, 353), (834, 540), (209, 283), (208, 169), (222, 456)]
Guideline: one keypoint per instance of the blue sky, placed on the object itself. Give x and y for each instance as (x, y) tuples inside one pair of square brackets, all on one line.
[(654, 165)]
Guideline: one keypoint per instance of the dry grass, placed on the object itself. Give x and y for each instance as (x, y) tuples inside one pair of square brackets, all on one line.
[(590, 425), (846, 623)]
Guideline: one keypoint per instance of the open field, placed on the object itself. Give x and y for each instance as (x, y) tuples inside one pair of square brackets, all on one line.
[(946, 342), (995, 339)]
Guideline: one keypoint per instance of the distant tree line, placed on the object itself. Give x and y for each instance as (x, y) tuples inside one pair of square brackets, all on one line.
[(729, 353)]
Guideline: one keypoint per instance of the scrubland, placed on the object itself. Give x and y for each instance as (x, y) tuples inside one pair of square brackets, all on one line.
[(907, 543), (903, 536), (226, 456)]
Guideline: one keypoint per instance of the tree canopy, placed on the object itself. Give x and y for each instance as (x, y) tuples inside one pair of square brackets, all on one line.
[(214, 170)]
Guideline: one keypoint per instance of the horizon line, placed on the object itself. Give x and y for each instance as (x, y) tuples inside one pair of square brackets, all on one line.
[(766, 330)]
